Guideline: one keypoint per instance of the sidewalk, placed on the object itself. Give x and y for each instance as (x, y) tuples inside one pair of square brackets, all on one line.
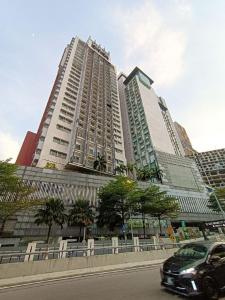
[(48, 277)]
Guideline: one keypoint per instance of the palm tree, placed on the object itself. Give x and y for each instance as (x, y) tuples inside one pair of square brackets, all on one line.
[(121, 168), (144, 174), (52, 212), (158, 174), (100, 163), (131, 169), (81, 214)]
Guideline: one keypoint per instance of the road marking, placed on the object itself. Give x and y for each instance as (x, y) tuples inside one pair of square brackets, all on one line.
[(99, 274)]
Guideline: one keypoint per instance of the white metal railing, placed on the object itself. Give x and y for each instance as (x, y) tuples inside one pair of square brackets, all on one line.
[(46, 253)]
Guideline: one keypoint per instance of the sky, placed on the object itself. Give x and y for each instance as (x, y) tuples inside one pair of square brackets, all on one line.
[(180, 44)]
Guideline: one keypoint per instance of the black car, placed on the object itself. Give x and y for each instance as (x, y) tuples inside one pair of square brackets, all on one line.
[(196, 269)]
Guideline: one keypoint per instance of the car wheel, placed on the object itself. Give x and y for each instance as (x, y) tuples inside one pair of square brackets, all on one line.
[(210, 289)]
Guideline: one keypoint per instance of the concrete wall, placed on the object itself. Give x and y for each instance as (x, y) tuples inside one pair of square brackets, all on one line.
[(56, 265)]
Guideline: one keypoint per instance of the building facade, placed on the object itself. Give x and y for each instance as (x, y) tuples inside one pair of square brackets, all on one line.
[(151, 138), (71, 185), (185, 141), (89, 114), (82, 119), (211, 165), (150, 127)]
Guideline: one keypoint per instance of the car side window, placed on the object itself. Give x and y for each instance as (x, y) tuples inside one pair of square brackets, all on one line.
[(219, 251)]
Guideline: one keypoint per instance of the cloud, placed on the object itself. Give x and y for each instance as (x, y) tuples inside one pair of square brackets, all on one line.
[(153, 41), (9, 146), (205, 127)]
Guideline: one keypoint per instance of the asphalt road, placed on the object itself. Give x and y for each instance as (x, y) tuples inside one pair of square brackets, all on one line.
[(141, 284)]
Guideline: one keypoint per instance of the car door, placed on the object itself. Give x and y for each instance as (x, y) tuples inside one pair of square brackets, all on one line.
[(219, 271)]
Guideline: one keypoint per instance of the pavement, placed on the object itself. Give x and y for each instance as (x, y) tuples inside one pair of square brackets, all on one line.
[(26, 280), (142, 283)]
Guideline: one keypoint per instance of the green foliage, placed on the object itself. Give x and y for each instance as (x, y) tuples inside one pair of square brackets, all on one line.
[(114, 205), (163, 205), (131, 169), (219, 193), (81, 214), (140, 202), (146, 173), (50, 165), (15, 194), (121, 169), (8, 180), (128, 169), (100, 163), (151, 201), (52, 213)]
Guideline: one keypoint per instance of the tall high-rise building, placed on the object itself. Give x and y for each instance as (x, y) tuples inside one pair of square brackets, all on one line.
[(150, 136), (148, 126), (82, 119), (185, 141)]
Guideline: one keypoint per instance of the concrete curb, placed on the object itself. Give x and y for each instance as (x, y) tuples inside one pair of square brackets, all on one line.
[(48, 277)]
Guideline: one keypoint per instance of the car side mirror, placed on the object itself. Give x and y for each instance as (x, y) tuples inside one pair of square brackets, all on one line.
[(214, 259)]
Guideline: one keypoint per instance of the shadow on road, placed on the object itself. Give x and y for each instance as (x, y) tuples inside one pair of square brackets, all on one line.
[(222, 295)]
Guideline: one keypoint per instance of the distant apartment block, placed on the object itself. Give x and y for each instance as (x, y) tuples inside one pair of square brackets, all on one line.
[(185, 141), (211, 165), (82, 118)]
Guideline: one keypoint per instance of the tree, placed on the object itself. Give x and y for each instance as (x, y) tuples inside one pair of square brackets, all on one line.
[(162, 205), (100, 163), (141, 202), (15, 195), (145, 173), (82, 215), (121, 169), (149, 173), (217, 196), (114, 206), (131, 170), (50, 165), (52, 212), (158, 174)]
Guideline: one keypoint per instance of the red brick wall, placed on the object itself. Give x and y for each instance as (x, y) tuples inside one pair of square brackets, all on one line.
[(25, 155)]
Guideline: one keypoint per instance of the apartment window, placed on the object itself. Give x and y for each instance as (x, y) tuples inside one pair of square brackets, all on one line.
[(70, 96), (38, 151), (57, 153), (60, 141), (65, 119), (63, 111), (69, 101), (78, 146), (91, 151), (62, 128), (67, 107), (118, 150)]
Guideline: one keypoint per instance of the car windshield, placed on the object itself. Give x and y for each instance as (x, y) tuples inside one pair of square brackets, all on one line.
[(192, 251)]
